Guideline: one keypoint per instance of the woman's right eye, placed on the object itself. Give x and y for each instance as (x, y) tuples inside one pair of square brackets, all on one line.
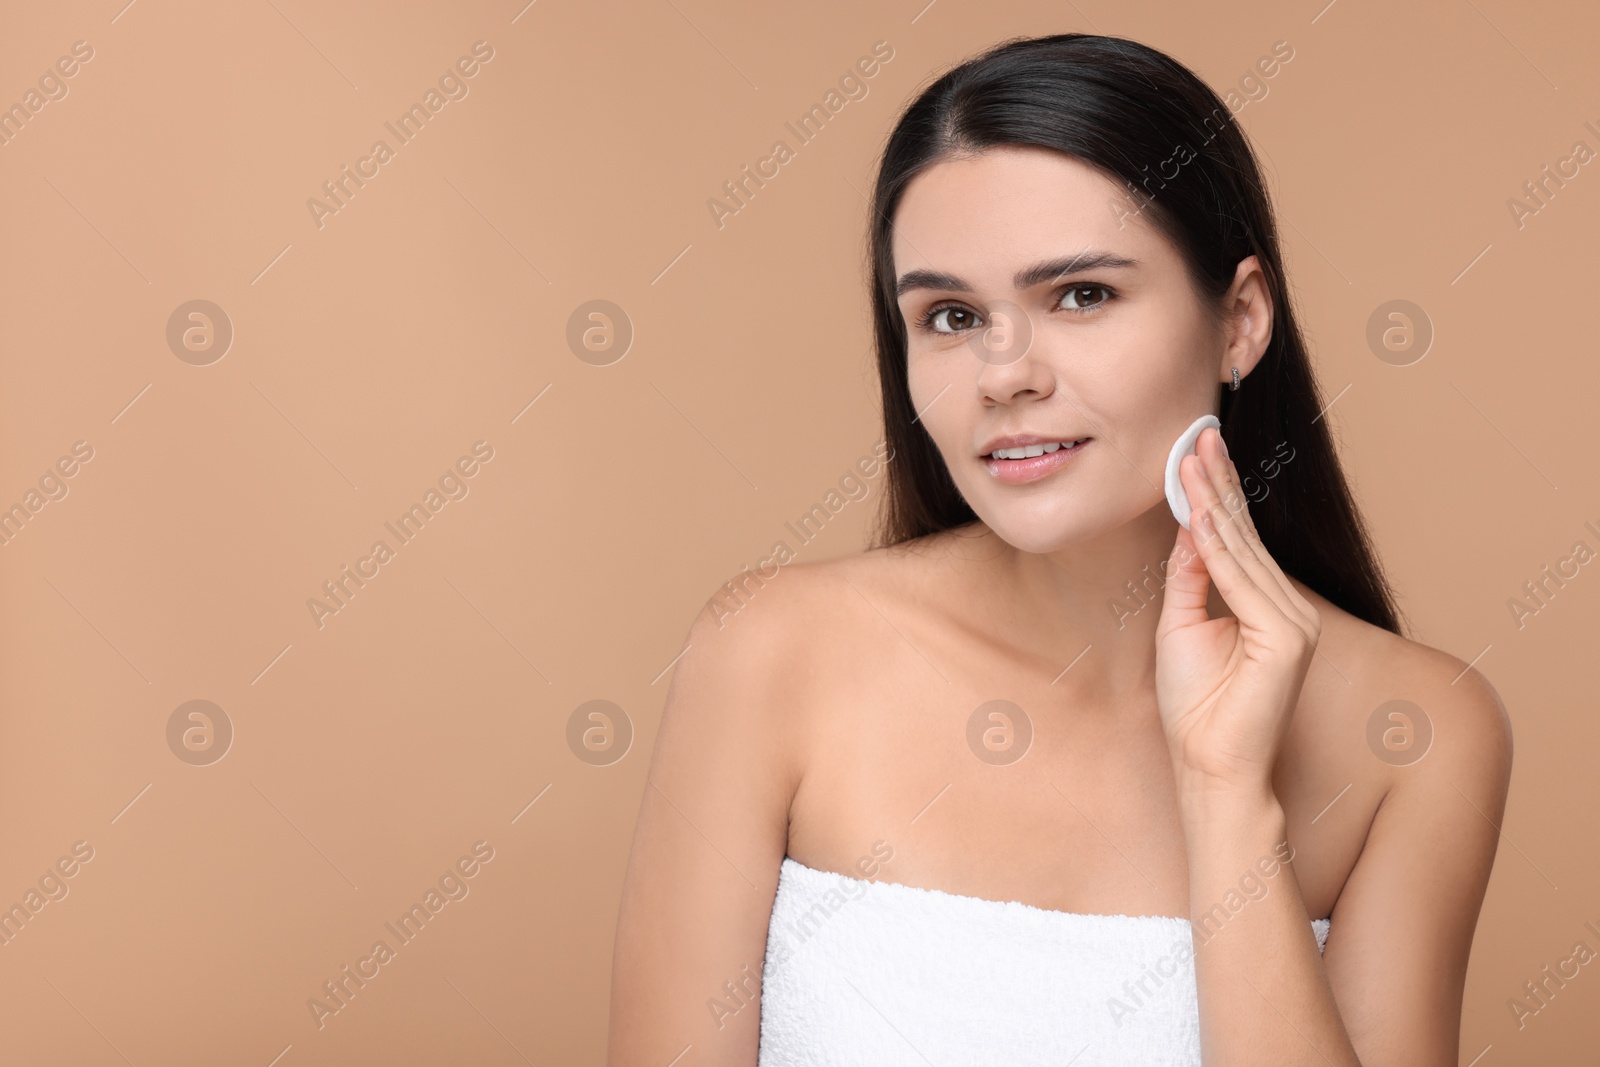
[(938, 319)]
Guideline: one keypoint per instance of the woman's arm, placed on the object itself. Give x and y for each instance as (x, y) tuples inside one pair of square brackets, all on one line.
[(1388, 992), (1410, 906), (711, 835)]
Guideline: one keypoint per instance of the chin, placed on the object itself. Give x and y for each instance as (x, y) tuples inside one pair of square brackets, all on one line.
[(1049, 529), (1033, 534)]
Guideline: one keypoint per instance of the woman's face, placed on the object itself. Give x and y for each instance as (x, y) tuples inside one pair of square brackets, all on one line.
[(1038, 306)]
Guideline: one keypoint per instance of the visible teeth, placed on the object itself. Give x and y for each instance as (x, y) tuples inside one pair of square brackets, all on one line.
[(1031, 450)]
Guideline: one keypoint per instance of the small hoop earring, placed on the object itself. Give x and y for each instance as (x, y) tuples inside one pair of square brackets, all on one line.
[(1235, 386)]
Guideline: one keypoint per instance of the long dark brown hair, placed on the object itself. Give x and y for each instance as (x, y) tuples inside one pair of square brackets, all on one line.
[(1126, 108)]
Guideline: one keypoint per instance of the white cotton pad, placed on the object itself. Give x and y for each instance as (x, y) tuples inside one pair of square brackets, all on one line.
[(1177, 499)]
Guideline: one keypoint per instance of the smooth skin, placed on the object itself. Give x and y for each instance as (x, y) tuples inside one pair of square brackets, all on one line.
[(1175, 746)]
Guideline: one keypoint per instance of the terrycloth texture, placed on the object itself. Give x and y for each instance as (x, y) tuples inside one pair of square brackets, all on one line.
[(879, 974)]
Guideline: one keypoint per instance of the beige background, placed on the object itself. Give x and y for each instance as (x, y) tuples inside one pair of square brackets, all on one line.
[(372, 352)]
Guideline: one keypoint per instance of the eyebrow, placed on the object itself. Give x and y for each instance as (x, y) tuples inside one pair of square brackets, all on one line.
[(1024, 279)]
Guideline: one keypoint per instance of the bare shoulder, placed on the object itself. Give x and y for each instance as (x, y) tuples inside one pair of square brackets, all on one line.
[(766, 634), (816, 599), (1403, 693)]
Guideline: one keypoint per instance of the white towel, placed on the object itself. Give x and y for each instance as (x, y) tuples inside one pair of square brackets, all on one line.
[(877, 973)]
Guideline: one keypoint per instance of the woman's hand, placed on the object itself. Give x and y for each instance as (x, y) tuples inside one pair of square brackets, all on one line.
[(1228, 686)]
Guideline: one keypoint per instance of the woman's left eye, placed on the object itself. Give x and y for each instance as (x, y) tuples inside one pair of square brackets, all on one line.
[(1079, 290)]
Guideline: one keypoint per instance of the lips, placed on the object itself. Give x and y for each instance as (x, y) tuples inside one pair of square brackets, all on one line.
[(1031, 450), (1026, 440), (1046, 458)]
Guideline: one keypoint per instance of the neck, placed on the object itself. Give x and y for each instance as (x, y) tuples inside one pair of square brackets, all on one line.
[(1100, 597)]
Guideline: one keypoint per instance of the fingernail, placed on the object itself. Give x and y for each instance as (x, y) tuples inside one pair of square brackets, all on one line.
[(1224, 445)]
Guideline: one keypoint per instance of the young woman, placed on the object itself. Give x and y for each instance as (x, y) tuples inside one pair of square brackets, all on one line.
[(1046, 777)]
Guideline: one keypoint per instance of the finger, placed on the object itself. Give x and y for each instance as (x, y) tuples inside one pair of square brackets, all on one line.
[(1262, 604), (1226, 479), (1185, 583), (1236, 501), (1204, 495), (1233, 536), (1223, 476), (1250, 605)]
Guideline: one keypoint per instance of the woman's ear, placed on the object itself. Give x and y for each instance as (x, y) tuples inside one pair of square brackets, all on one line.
[(1248, 306)]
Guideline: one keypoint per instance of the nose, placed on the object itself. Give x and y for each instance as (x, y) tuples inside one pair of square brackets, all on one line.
[(1009, 362)]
